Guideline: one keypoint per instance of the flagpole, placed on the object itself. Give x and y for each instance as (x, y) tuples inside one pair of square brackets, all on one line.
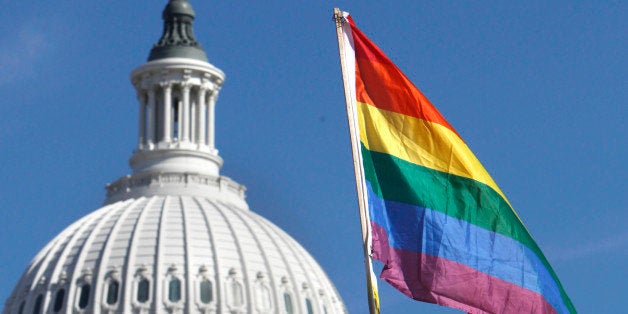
[(373, 299)]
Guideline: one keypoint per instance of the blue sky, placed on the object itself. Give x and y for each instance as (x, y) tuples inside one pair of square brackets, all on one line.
[(538, 90)]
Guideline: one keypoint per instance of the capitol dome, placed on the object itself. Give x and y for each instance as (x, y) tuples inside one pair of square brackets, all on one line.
[(175, 236)]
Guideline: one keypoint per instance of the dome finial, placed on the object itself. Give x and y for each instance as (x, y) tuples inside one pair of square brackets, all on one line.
[(182, 7), (177, 40)]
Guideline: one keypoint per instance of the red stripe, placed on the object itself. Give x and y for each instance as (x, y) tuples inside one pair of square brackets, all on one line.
[(381, 84), (436, 280)]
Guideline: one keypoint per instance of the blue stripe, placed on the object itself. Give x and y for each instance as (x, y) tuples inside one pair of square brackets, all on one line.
[(427, 231)]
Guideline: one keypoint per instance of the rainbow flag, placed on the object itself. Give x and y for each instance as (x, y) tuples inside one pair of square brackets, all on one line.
[(444, 230)]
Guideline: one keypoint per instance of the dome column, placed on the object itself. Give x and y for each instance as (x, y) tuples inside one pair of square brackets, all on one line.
[(185, 112), (141, 96), (210, 121), (202, 118), (167, 111), (150, 118)]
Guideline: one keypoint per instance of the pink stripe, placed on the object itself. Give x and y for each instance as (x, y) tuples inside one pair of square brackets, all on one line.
[(437, 280)]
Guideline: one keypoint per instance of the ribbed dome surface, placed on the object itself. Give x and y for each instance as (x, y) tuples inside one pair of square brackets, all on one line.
[(251, 265)]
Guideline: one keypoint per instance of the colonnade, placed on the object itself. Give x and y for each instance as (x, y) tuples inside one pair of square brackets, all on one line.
[(176, 114)]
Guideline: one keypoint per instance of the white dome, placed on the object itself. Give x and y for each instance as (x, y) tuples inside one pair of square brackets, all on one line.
[(251, 265), (175, 236)]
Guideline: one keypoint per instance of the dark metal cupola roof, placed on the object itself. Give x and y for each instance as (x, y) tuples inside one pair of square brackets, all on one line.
[(177, 40)]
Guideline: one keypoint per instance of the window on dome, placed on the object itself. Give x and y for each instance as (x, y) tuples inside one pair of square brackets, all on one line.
[(308, 304), (21, 310), (143, 290), (59, 300), (263, 298), (84, 296), (174, 290), (37, 307), (287, 301), (112, 292), (236, 293), (206, 291)]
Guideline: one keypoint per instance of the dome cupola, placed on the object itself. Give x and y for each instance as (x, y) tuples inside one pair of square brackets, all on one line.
[(177, 93)]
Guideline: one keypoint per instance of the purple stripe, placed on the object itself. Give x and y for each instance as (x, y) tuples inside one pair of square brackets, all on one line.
[(441, 281)]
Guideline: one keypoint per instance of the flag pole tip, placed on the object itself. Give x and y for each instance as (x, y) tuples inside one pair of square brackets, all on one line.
[(338, 17)]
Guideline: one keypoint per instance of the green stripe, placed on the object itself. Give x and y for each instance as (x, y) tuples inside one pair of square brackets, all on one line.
[(397, 180)]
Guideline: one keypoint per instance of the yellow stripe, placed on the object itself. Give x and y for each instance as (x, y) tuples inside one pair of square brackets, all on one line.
[(420, 142)]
